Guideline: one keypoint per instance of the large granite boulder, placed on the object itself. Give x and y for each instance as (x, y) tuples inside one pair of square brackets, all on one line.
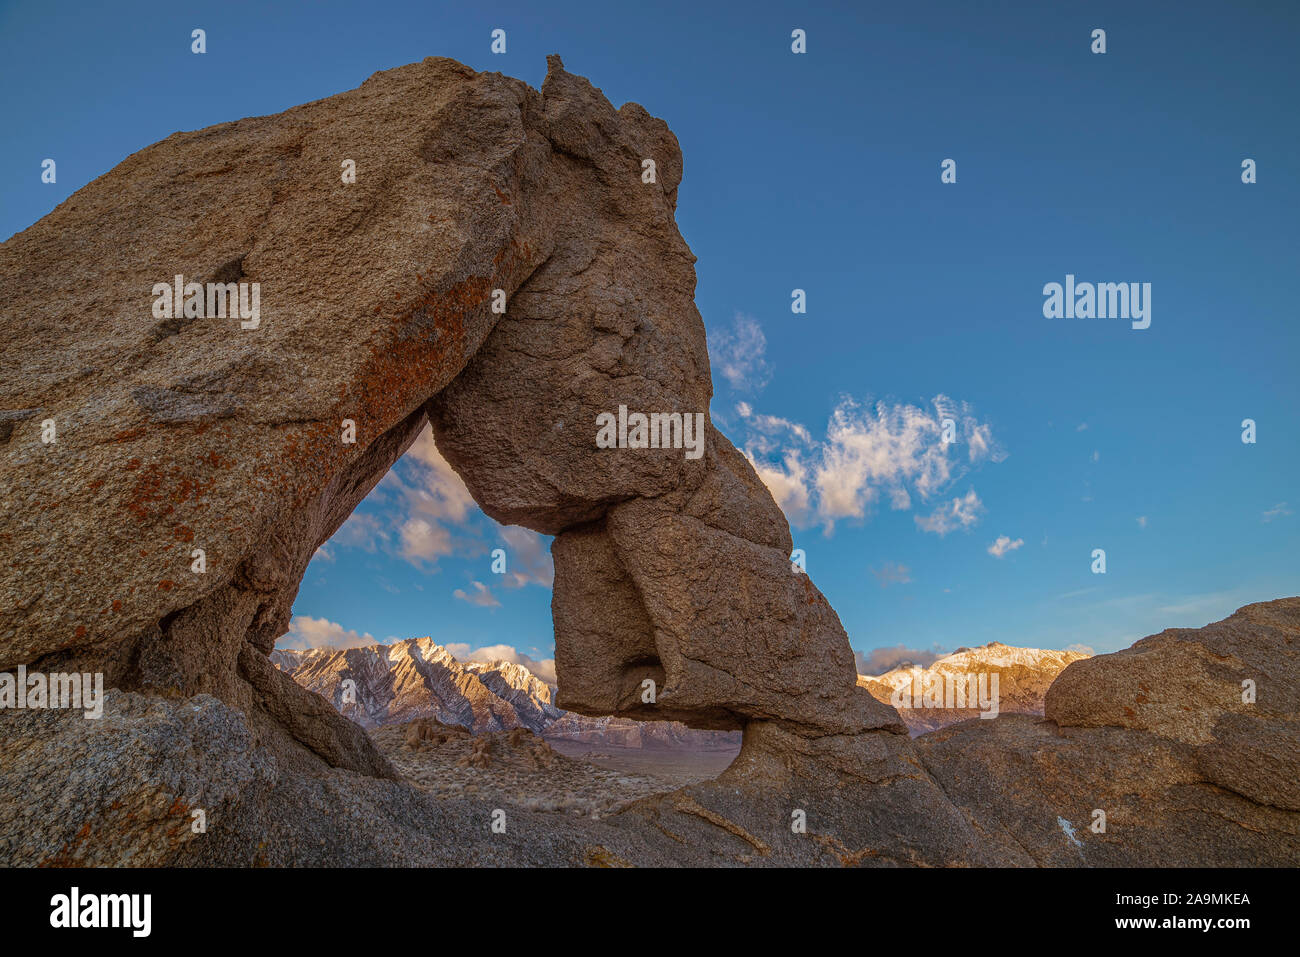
[(1230, 692), (503, 264)]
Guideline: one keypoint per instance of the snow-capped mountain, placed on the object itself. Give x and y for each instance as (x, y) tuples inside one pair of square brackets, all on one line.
[(1023, 677), (418, 678)]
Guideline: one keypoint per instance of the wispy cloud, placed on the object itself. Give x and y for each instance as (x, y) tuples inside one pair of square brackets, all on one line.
[(419, 512), (1277, 511), (738, 355), (892, 573), (891, 453), (1076, 594), (362, 530), (478, 594), (1111, 623), (1004, 544), (1208, 606), (528, 558), (424, 541), (307, 632), (961, 513)]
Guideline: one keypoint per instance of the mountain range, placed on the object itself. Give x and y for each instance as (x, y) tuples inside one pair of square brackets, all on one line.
[(1023, 677), (419, 678)]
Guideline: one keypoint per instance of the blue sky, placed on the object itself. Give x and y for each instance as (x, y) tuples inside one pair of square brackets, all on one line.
[(821, 171)]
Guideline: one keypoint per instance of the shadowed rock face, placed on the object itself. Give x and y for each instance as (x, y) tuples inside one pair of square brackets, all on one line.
[(189, 432)]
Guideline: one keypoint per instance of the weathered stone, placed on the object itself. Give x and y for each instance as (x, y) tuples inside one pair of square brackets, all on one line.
[(1191, 686), (199, 433), (1029, 781), (741, 634), (122, 789)]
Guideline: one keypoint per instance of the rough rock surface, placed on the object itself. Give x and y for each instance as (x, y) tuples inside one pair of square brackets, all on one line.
[(180, 434), (122, 790), (1039, 785), (1191, 686)]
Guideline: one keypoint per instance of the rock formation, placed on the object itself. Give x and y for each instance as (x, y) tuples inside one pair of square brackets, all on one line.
[(169, 469), (376, 309)]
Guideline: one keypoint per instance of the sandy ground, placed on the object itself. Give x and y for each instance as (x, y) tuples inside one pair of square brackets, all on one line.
[(675, 768), (520, 769)]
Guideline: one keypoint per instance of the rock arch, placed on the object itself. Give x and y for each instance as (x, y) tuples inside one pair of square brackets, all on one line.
[(375, 307), (184, 431)]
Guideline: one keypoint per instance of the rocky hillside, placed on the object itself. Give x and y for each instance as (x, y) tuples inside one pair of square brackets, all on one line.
[(418, 678), (1023, 677)]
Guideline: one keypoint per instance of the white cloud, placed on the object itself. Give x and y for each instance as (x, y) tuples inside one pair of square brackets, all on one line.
[(543, 668), (738, 355), (441, 493), (423, 540), (528, 558), (420, 505), (307, 632), (1004, 544), (1277, 511), (888, 452), (892, 573), (788, 484), (479, 594), (361, 530), (960, 513)]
